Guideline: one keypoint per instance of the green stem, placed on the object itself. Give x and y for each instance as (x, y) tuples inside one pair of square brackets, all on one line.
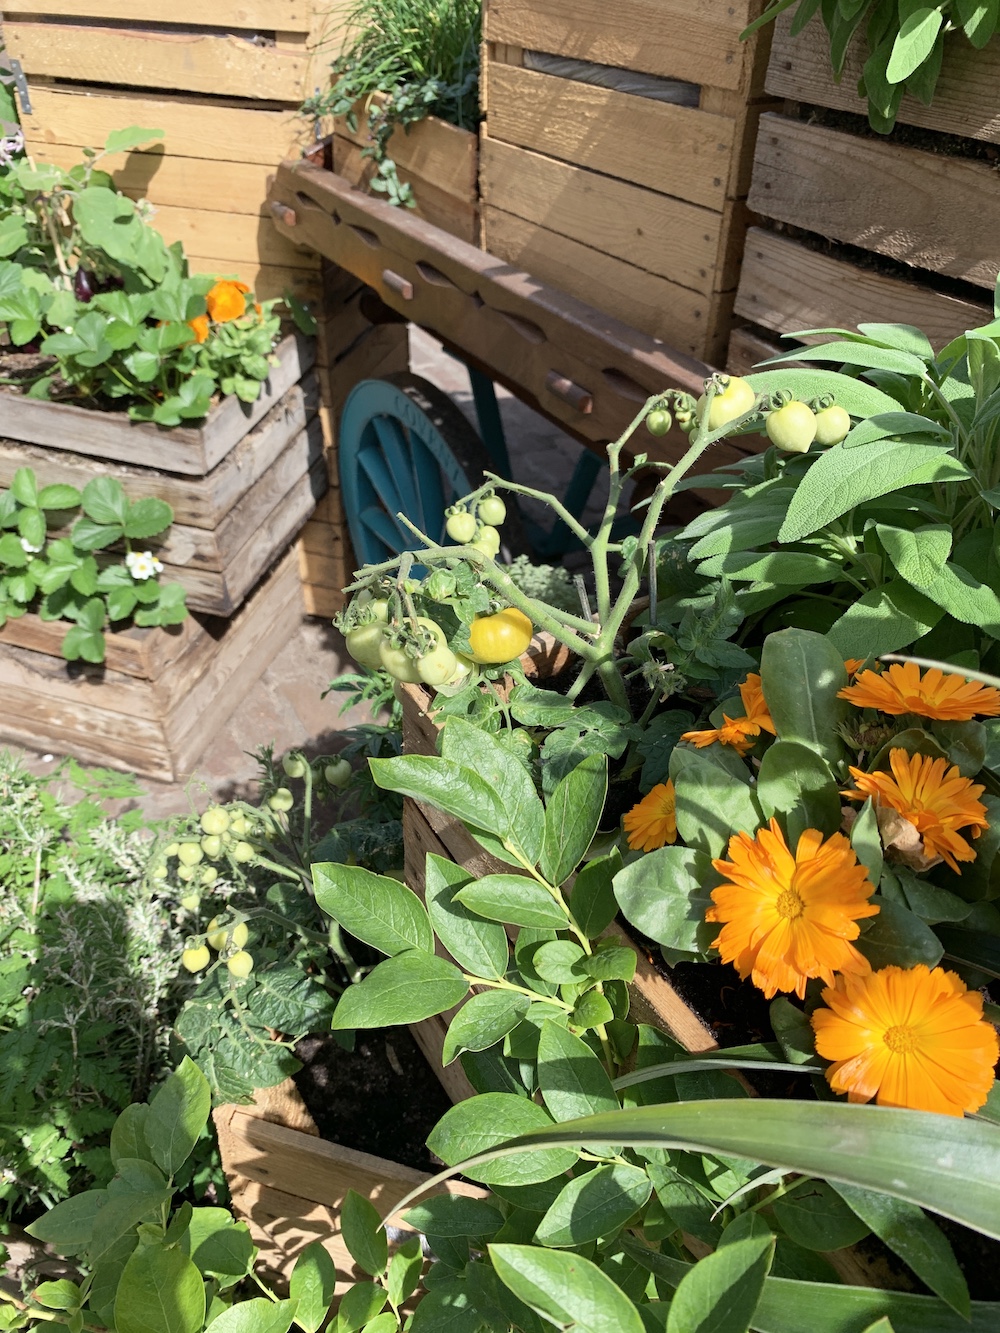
[(496, 984)]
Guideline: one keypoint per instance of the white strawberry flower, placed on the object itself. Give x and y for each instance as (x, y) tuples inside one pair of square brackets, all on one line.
[(29, 547), (143, 565)]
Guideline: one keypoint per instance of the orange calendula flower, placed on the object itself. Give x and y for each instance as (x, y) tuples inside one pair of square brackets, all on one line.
[(912, 1037), (199, 327), (931, 797), (652, 823), (852, 665), (902, 689), (739, 732), (788, 917), (227, 300)]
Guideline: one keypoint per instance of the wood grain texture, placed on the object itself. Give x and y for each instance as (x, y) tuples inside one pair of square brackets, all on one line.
[(185, 450), (669, 37), (747, 347), (673, 149), (252, 15), (965, 99), (457, 215), (242, 239), (787, 286), (676, 240), (83, 115), (432, 150), (923, 209), (133, 652), (267, 281), (139, 58), (665, 310)]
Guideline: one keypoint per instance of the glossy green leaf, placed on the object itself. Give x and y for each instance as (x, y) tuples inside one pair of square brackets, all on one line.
[(897, 937), (856, 396), (883, 620), (258, 1315), (720, 1294), (358, 1305), (911, 1234), (554, 961), (480, 946), (160, 1291), (375, 908), (522, 813), (452, 1215), (711, 806), (177, 1115), (363, 1233), (572, 814), (404, 1271), (218, 1245), (594, 1204), (482, 1122), (514, 900), (592, 899), (312, 1286), (797, 785), (444, 784), (482, 1021), (573, 1080), (813, 1214), (565, 1289), (128, 1134), (801, 675), (405, 989), (69, 1225), (665, 895)]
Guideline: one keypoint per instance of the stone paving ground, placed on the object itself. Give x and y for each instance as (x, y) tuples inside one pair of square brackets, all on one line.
[(285, 706)]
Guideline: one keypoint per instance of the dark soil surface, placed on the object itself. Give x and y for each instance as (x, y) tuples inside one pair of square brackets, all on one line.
[(381, 1098)]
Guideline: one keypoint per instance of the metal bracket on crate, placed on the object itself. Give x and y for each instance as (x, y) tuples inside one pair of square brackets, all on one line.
[(21, 84), (582, 369)]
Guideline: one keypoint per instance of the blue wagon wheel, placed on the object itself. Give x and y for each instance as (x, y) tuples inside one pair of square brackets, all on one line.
[(404, 447)]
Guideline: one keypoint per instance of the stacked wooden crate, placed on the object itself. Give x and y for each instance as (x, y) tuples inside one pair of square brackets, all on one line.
[(858, 227), (633, 204), (225, 95)]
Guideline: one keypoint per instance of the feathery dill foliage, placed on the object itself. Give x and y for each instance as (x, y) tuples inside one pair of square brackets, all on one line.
[(88, 966), (422, 56)]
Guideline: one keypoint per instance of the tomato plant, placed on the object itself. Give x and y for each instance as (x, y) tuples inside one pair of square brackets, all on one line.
[(792, 427), (500, 637)]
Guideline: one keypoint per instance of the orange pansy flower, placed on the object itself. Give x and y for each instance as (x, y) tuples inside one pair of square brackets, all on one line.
[(932, 797), (652, 823), (227, 300), (790, 916), (912, 1037), (739, 732), (199, 327), (902, 689)]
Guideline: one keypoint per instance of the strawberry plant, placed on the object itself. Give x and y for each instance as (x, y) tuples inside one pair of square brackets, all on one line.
[(68, 571)]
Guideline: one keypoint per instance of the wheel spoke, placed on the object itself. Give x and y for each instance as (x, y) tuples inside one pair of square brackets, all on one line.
[(377, 470), (427, 474), (378, 522), (396, 449)]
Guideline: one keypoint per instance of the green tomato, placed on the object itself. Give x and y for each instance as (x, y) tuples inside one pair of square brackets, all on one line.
[(659, 422), (209, 875), (378, 607), (294, 765), (238, 825), (465, 670), (399, 664), (338, 773), (159, 871), (728, 404), (212, 846), (832, 425), (189, 854), (219, 937), (240, 965), (490, 539), (282, 800), (461, 527), (196, 958), (244, 852), (492, 510), (438, 666), (215, 820), (792, 428), (365, 642), (186, 873), (191, 902)]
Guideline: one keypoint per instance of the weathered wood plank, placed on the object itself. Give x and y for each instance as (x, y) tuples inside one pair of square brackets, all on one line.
[(83, 115), (131, 651), (700, 44), (674, 314), (651, 231), (432, 150), (924, 209), (965, 98), (241, 237), (92, 687), (746, 349), (267, 281), (141, 58), (252, 15), (197, 503), (457, 215), (668, 148), (786, 286), (188, 450)]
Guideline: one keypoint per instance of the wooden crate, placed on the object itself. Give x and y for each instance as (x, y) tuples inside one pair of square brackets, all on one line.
[(287, 1183), (632, 204), (160, 696), (226, 96), (425, 829), (859, 227), (440, 162), (262, 473)]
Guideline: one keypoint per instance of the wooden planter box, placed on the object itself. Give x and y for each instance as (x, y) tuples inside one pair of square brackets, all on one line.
[(425, 829), (241, 485), (928, 214), (161, 695), (288, 1184), (633, 204), (440, 161)]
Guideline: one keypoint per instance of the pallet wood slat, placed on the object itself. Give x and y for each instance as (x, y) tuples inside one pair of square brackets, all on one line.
[(219, 65), (787, 286), (921, 208), (965, 97), (240, 237), (252, 15), (456, 214)]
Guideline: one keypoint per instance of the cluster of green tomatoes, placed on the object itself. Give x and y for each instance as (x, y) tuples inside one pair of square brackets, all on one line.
[(225, 835), (414, 649), (228, 941), (791, 425)]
